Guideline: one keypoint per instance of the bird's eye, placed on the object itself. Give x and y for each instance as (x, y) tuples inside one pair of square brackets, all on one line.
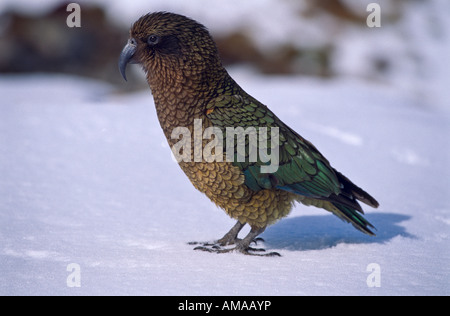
[(153, 40)]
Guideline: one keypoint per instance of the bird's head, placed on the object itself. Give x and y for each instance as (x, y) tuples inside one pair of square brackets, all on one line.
[(168, 45)]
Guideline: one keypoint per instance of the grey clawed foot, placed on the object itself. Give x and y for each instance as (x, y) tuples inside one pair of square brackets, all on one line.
[(259, 252), (242, 245)]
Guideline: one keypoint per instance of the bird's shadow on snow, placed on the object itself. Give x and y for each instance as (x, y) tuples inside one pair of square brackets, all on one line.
[(326, 231)]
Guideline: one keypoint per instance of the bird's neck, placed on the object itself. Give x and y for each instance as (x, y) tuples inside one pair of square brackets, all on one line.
[(181, 98)]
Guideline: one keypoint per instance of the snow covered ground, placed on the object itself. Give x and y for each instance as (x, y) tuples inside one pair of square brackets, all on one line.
[(87, 179)]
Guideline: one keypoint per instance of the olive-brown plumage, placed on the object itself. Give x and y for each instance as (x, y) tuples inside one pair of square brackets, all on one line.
[(189, 83)]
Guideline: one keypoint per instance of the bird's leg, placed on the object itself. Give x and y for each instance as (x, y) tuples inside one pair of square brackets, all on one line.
[(231, 237), (243, 246), (228, 239)]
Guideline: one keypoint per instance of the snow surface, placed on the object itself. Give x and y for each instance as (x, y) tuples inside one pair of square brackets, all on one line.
[(87, 178)]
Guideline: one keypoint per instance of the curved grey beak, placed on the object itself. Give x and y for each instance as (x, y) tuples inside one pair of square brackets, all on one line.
[(126, 56)]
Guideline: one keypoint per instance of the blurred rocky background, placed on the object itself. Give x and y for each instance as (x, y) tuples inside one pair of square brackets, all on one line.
[(318, 38), (44, 43)]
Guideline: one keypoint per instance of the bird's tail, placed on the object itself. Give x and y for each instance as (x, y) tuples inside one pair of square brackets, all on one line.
[(347, 213), (349, 188), (346, 204), (352, 216)]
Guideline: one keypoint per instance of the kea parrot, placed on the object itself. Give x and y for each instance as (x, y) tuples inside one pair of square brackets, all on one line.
[(189, 83)]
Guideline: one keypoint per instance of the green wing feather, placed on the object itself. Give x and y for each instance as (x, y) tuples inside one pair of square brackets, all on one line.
[(301, 166), (302, 169)]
